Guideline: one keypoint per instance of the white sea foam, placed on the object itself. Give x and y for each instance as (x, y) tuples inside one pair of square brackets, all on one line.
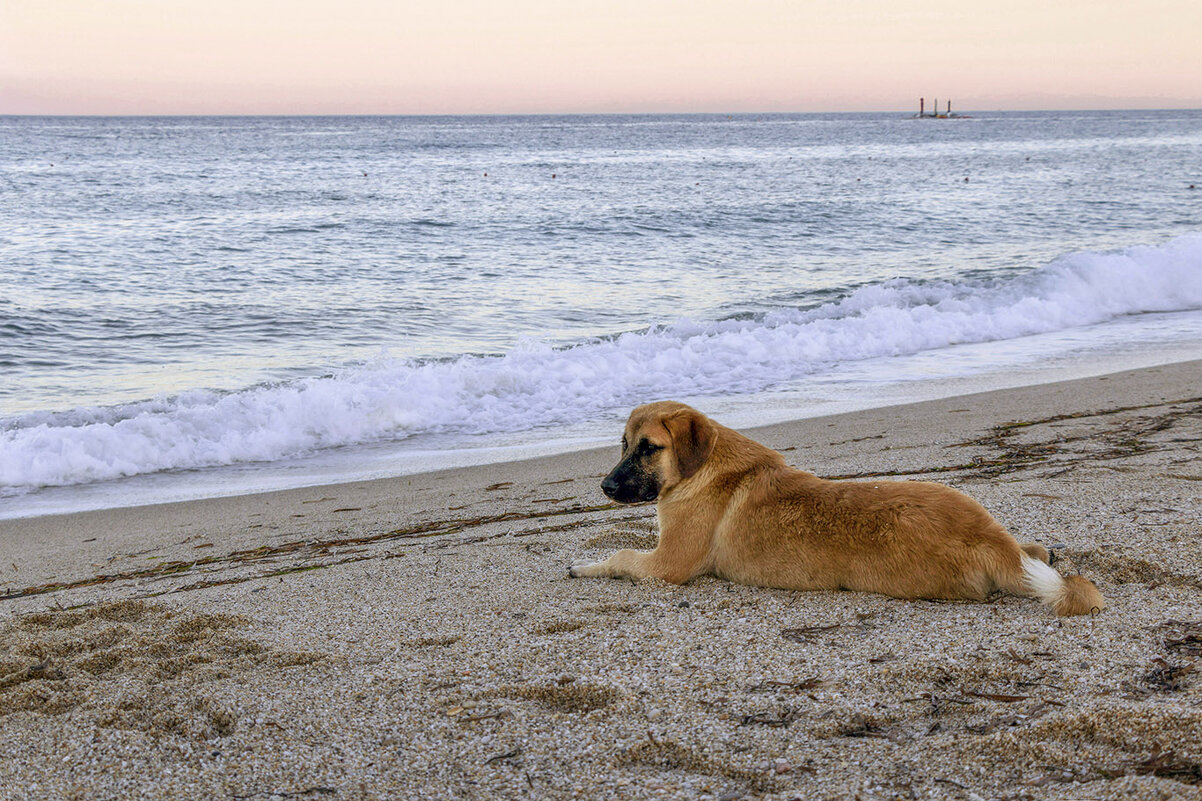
[(536, 385)]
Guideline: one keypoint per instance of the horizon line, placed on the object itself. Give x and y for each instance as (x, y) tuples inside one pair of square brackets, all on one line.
[(961, 112)]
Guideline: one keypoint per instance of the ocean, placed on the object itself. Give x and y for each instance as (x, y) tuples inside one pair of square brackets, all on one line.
[(203, 306)]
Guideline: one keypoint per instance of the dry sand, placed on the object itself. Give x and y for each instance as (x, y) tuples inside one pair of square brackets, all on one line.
[(419, 637)]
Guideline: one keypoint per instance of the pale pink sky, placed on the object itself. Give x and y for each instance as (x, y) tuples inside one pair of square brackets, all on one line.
[(539, 56)]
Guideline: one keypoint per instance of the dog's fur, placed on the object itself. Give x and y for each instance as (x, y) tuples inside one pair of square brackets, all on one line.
[(732, 508)]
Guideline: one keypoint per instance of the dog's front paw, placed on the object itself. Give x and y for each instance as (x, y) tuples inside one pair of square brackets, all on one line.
[(584, 569)]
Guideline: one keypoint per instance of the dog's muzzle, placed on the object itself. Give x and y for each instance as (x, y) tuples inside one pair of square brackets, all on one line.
[(610, 486), (629, 486)]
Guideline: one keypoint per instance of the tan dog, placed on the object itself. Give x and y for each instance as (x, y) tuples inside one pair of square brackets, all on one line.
[(732, 508)]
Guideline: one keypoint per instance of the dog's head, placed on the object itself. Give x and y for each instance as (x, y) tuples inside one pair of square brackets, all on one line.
[(664, 444)]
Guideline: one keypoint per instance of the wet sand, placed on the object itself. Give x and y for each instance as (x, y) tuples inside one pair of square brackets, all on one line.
[(419, 637)]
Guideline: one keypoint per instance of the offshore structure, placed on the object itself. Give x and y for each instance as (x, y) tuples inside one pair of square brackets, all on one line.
[(934, 114)]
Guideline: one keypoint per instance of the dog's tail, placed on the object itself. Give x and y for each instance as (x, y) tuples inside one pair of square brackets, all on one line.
[(1067, 595)]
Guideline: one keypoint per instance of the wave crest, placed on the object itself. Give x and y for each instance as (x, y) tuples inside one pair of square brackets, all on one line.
[(537, 385)]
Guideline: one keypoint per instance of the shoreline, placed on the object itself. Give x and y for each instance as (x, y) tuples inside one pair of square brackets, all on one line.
[(343, 640), (331, 469)]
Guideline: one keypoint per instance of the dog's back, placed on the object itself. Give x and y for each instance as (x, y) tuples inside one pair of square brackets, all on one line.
[(787, 528)]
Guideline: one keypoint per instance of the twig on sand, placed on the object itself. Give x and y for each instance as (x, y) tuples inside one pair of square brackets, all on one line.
[(782, 720), (1165, 764), (507, 755), (1006, 699), (287, 794), (772, 685), (806, 633), (490, 716)]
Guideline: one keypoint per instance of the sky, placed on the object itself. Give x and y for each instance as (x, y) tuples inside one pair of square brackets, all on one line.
[(573, 56)]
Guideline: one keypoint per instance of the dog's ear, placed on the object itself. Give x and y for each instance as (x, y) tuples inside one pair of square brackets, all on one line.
[(693, 437)]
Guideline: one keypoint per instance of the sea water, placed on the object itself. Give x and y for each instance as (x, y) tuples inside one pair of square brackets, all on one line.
[(211, 305)]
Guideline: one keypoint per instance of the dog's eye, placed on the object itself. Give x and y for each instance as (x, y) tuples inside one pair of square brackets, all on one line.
[(624, 444), (648, 447)]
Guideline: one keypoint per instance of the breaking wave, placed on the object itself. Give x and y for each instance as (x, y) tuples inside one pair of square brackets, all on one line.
[(536, 385)]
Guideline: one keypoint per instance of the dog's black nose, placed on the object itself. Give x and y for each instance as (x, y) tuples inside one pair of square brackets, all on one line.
[(609, 486)]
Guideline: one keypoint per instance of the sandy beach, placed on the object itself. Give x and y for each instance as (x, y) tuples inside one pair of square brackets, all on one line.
[(420, 638)]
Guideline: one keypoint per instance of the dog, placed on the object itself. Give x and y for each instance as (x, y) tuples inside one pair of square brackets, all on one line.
[(732, 508)]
